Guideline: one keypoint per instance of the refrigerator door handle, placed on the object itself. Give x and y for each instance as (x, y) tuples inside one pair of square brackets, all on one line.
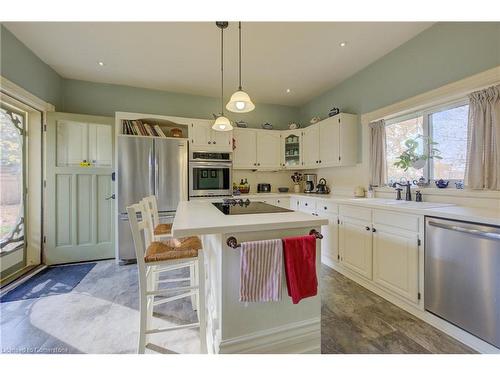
[(152, 173), (157, 172)]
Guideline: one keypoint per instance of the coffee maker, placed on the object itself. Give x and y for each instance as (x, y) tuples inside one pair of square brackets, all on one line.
[(310, 180)]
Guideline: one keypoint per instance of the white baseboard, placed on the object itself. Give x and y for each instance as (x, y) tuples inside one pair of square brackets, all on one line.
[(296, 338), (418, 311)]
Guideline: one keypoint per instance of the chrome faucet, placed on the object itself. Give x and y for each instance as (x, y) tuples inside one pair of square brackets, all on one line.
[(408, 189)]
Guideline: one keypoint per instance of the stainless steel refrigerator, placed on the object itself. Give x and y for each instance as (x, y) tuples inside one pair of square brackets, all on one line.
[(148, 166)]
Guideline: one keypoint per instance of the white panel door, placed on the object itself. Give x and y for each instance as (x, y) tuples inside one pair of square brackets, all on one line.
[(355, 246), (329, 137), (395, 261), (245, 152), (268, 150), (100, 145), (79, 203), (310, 147)]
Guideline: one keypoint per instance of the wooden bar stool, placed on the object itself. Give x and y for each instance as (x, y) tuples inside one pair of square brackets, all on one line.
[(182, 252), (161, 232)]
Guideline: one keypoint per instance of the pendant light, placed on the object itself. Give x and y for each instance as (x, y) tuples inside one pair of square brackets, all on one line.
[(222, 123), (240, 102)]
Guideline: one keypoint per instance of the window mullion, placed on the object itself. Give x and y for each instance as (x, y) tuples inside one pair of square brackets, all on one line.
[(427, 133)]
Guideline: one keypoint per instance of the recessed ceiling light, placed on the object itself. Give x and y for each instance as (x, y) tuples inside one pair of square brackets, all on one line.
[(288, 91), (343, 44), (100, 63)]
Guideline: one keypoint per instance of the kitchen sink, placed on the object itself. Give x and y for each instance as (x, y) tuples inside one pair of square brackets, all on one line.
[(408, 204)]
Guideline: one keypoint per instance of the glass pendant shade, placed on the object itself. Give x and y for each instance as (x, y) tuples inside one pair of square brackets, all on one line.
[(222, 124), (240, 102)]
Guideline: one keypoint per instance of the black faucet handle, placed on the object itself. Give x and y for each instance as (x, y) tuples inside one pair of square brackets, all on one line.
[(398, 193)]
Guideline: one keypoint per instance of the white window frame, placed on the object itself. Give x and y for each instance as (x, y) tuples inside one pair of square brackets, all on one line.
[(427, 129)]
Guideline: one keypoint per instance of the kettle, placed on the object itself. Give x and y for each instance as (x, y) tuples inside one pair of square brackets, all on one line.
[(321, 187)]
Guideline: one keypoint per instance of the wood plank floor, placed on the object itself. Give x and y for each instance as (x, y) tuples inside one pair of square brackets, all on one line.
[(355, 320), (100, 315)]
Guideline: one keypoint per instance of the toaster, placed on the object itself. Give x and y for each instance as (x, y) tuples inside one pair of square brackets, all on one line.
[(263, 188)]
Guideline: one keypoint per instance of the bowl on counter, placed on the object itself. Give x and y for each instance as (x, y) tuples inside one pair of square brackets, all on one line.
[(283, 189)]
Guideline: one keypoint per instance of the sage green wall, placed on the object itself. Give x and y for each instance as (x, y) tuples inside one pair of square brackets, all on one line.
[(105, 99), (21, 66), (444, 53)]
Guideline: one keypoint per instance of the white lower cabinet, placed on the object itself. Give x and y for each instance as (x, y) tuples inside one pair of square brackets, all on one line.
[(395, 261), (330, 241), (382, 246), (355, 245)]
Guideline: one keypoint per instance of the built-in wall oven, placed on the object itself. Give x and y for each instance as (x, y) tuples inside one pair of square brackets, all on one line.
[(210, 174)]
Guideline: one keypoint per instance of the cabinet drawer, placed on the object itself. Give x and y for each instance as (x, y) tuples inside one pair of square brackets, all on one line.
[(326, 206), (308, 205), (283, 202), (403, 221), (356, 212)]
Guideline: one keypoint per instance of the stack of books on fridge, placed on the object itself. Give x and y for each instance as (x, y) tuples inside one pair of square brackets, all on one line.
[(138, 127)]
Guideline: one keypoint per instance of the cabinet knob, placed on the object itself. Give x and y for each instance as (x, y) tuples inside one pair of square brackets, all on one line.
[(209, 142), (367, 228), (258, 163), (374, 230), (215, 142), (326, 208), (306, 204), (320, 161)]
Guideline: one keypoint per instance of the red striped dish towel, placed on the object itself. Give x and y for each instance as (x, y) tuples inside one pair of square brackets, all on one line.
[(261, 264)]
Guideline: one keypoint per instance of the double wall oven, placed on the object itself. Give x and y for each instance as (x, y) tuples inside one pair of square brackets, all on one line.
[(210, 174)]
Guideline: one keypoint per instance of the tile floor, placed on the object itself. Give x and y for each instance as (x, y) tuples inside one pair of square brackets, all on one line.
[(101, 315)]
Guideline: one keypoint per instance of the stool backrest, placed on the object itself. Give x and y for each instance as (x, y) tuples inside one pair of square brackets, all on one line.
[(149, 205), (152, 205), (136, 217)]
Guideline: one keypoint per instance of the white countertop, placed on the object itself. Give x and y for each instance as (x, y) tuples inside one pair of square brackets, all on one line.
[(201, 217), (489, 216)]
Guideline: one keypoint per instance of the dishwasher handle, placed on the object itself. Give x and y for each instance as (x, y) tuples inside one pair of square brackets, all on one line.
[(475, 232)]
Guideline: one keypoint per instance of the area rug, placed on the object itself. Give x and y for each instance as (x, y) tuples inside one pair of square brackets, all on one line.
[(51, 281)]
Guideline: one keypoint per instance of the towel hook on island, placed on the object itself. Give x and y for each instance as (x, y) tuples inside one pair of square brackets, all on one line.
[(232, 242)]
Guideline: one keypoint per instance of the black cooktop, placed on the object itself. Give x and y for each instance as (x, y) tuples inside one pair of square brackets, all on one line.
[(241, 207)]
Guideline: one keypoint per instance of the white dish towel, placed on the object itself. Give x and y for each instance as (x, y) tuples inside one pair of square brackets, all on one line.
[(261, 264)]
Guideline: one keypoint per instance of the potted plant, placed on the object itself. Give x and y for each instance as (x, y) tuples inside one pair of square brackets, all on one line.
[(296, 178), (412, 158)]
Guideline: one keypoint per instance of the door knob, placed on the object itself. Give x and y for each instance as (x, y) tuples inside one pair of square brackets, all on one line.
[(110, 197)]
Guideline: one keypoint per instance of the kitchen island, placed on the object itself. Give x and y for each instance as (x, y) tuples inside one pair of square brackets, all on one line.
[(237, 327)]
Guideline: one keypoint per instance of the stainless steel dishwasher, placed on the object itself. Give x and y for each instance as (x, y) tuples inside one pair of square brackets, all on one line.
[(462, 275)]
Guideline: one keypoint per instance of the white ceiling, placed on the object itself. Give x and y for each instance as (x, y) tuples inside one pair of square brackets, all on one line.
[(185, 56)]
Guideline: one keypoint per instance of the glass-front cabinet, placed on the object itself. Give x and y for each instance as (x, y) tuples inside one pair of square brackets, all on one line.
[(292, 149)]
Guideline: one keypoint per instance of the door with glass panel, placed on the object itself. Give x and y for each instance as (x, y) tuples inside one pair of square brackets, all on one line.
[(12, 190), (80, 199)]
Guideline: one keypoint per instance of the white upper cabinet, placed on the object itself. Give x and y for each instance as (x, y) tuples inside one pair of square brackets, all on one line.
[(291, 149), (268, 149), (79, 141), (310, 144), (245, 152), (203, 137), (257, 149), (329, 138), (331, 142)]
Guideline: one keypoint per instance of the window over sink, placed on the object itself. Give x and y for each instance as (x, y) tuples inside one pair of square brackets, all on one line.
[(445, 125)]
